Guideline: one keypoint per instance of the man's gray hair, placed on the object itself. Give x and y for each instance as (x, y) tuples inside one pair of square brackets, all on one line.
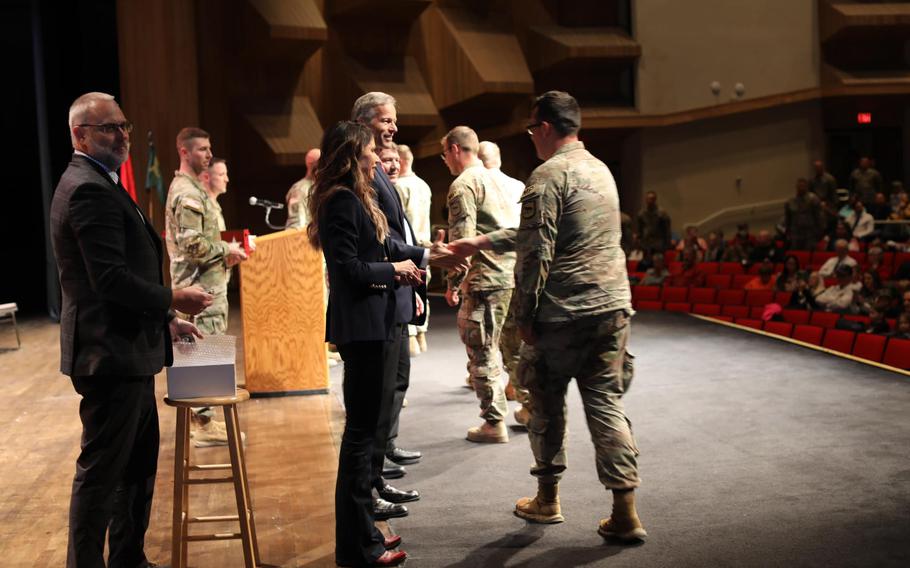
[(488, 152), (365, 106), (81, 107)]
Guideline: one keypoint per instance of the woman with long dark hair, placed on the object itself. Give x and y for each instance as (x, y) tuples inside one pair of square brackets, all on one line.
[(352, 232)]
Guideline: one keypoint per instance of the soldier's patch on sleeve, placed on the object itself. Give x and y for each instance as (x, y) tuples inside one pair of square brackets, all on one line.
[(194, 204), (531, 212), (456, 207)]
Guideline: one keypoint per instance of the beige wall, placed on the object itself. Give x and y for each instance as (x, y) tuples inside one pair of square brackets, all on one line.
[(771, 46), (694, 167)]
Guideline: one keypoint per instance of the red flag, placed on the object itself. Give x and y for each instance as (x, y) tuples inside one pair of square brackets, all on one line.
[(126, 178)]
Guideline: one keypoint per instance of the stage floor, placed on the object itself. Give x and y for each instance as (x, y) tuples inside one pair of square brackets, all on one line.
[(755, 452)]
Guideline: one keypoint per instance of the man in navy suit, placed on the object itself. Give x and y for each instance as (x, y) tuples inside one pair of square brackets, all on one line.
[(116, 326), (377, 110)]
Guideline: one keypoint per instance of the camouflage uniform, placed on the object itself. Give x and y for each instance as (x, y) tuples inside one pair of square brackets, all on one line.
[(297, 199), (477, 204), (804, 220), (193, 233), (573, 291), (653, 229)]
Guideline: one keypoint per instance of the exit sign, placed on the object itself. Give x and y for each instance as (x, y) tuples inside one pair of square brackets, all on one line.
[(864, 118)]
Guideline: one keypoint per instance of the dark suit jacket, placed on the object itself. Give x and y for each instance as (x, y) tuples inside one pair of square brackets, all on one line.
[(362, 298), (390, 203), (115, 306)]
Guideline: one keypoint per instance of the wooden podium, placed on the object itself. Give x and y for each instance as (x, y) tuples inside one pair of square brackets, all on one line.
[(282, 305)]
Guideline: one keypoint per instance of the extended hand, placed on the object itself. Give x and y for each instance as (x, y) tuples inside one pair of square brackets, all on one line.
[(442, 256), (469, 246), (180, 328), (191, 300), (235, 255), (418, 301)]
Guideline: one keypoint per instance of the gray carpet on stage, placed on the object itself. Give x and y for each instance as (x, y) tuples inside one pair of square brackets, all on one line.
[(754, 452)]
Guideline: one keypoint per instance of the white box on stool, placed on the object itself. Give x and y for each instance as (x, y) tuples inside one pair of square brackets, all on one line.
[(203, 368)]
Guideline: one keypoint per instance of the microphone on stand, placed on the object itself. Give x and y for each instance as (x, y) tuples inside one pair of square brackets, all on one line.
[(266, 203)]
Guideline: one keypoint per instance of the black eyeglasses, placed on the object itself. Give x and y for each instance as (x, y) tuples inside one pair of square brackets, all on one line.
[(111, 127), (532, 126)]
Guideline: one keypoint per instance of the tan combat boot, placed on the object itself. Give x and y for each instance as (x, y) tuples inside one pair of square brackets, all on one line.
[(489, 433), (522, 415), (624, 523), (541, 509)]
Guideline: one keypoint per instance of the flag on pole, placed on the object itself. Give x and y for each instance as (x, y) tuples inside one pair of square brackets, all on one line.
[(153, 177), (127, 179)]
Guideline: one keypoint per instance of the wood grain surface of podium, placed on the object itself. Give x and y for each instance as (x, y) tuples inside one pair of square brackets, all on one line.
[(283, 311)]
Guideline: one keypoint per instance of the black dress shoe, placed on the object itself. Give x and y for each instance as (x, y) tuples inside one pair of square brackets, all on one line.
[(391, 470), (383, 510), (403, 457), (393, 495)]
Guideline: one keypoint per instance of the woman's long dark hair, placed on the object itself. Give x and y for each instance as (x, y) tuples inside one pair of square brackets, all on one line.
[(338, 169)]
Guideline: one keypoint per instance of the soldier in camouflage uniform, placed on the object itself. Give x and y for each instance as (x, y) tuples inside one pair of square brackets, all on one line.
[(804, 218), (572, 305), (193, 225), (298, 195), (478, 204)]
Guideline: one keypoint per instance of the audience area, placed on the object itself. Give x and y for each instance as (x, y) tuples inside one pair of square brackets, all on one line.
[(868, 316)]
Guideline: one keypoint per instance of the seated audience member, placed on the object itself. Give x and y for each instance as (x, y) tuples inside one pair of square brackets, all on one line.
[(890, 302), (692, 240), (841, 231), (880, 209), (816, 283), (841, 259), (902, 272), (690, 275), (874, 260), (658, 272), (788, 277), (764, 249), (740, 246), (715, 249), (860, 222), (764, 280), (877, 323), (868, 289), (838, 298), (900, 200), (902, 331), (803, 297)]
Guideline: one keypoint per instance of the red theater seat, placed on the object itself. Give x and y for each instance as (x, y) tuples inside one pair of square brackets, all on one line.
[(675, 268), (730, 296), (757, 312), (702, 295), (674, 294), (796, 317), (897, 353), (685, 307), (861, 319), (779, 328), (708, 267), (706, 309), (839, 340), (631, 265), (808, 334), (731, 268), (649, 305), (824, 319), (820, 256), (719, 281), (735, 311), (740, 281), (782, 298), (749, 322), (645, 292), (802, 256), (759, 297), (869, 346), (669, 256)]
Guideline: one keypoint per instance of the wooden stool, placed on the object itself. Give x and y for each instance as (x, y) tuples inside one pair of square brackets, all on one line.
[(238, 477)]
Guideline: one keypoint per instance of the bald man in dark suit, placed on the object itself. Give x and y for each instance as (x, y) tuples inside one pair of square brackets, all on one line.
[(115, 335)]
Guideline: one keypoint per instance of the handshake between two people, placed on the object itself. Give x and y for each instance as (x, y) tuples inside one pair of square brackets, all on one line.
[(451, 256)]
